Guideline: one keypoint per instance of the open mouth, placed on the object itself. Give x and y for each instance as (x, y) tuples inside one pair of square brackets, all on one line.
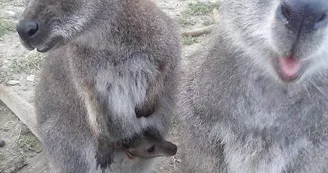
[(51, 44), (289, 68), (26, 45), (45, 47)]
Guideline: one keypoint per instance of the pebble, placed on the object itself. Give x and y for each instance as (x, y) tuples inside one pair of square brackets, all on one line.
[(177, 160), (13, 82), (2, 143), (30, 78), (10, 13)]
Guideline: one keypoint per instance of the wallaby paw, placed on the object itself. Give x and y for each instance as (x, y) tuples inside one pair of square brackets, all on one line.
[(104, 158)]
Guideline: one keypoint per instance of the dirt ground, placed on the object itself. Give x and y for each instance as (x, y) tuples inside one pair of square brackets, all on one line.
[(19, 69)]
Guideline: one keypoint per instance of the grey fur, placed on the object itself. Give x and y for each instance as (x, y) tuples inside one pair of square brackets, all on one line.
[(238, 115), (110, 75)]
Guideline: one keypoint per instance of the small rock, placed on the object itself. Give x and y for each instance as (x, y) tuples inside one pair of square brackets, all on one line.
[(2, 143), (30, 78), (18, 165), (177, 160), (13, 82), (10, 13), (5, 130)]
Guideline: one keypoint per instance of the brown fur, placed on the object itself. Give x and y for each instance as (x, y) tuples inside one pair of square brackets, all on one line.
[(106, 71)]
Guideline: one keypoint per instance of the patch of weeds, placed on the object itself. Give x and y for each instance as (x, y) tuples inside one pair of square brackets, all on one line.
[(207, 22), (185, 20), (28, 64), (201, 8), (6, 26), (189, 40), (28, 143)]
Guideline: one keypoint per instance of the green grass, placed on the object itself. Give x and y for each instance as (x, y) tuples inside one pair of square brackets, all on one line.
[(189, 40), (28, 64), (28, 143), (6, 26), (184, 20), (187, 17), (200, 8)]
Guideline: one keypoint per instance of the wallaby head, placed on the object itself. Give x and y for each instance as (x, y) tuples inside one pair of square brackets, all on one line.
[(287, 38), (50, 23), (149, 146)]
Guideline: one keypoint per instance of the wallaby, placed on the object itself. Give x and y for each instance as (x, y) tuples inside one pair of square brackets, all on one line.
[(147, 145), (110, 73), (255, 99)]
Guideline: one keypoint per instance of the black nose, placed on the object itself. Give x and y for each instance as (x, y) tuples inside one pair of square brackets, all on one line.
[(304, 15), (27, 29)]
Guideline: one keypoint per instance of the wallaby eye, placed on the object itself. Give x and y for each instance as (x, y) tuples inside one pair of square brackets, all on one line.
[(151, 149)]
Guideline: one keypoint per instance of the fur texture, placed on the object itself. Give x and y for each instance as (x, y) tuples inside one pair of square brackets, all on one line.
[(238, 116), (110, 74)]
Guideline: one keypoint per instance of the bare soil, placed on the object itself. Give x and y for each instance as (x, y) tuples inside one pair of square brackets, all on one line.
[(19, 69)]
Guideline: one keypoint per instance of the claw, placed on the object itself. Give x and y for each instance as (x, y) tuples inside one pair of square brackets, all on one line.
[(104, 157)]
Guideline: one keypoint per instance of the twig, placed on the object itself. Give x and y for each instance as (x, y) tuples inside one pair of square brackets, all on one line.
[(20, 107), (203, 31), (198, 32)]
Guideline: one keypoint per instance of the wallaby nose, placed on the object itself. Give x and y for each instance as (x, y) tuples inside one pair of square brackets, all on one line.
[(27, 29), (304, 15)]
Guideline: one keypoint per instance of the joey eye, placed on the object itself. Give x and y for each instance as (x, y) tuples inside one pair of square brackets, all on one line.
[(151, 149)]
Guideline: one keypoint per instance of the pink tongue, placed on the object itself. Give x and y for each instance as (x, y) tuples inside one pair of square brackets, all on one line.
[(289, 66)]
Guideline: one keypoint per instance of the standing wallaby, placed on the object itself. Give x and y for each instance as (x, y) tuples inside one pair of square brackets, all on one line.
[(255, 101), (110, 73)]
